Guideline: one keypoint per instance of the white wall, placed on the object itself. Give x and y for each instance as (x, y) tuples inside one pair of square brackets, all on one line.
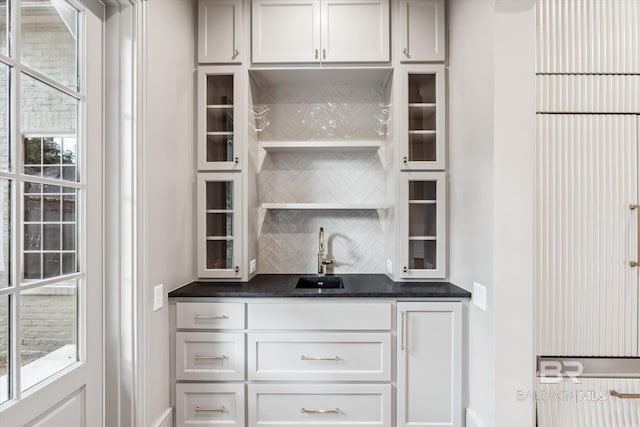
[(491, 141), (514, 128), (167, 215), (471, 193)]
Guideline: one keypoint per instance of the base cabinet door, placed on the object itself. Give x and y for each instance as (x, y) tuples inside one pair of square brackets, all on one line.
[(199, 405), (429, 364)]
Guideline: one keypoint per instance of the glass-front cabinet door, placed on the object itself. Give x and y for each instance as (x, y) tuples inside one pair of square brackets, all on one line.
[(423, 226), (219, 134), (219, 225), (423, 118)]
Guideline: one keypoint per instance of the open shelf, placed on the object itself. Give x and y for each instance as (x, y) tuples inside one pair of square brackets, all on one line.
[(320, 146), (321, 206)]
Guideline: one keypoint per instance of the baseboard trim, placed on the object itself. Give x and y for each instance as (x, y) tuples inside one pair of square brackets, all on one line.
[(166, 419), (472, 419)]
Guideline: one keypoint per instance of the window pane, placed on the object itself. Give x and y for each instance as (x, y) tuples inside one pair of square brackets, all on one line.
[(50, 156), (49, 39), (49, 319), (4, 31), (49, 123), (50, 231), (5, 233), (4, 348), (4, 119)]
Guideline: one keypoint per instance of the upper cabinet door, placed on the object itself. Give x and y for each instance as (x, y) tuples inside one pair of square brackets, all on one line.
[(355, 30), (422, 30), (219, 31), (285, 31)]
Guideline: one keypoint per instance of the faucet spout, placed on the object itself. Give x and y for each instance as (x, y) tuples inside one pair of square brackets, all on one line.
[(322, 261)]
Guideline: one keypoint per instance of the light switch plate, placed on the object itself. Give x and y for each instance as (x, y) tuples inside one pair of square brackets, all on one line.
[(158, 297), (252, 266), (479, 296), (389, 266)]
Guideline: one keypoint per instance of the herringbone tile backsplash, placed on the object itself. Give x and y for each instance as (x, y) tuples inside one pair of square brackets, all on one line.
[(288, 239)]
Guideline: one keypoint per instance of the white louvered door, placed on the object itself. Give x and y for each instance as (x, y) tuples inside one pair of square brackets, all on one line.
[(587, 235)]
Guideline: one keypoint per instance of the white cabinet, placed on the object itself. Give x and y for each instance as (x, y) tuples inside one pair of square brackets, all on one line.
[(201, 405), (314, 372), (213, 354), (587, 402), (285, 31), (423, 119), (429, 364), (219, 118), (354, 30), (219, 31), (219, 225), (320, 405), (422, 30), (423, 225), (320, 31), (319, 356), (587, 237)]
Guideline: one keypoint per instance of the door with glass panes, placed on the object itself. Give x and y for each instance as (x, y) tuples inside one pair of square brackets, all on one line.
[(50, 214), (422, 225)]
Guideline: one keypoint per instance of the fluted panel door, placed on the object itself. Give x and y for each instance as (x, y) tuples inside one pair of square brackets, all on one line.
[(588, 403), (588, 36), (588, 93), (587, 178)]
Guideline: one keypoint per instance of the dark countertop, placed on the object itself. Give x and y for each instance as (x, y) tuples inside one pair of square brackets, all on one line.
[(355, 286)]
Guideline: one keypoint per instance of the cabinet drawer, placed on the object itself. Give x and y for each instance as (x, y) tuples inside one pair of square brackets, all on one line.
[(209, 356), (320, 316), (319, 356), (320, 404), (588, 403), (209, 315), (210, 404)]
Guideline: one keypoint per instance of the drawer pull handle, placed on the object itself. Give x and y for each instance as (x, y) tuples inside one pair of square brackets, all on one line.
[(220, 409), (320, 411), (336, 359), (199, 357), (209, 317), (624, 395)]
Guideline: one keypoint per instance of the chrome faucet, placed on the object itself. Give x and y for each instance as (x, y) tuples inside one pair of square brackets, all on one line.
[(322, 261)]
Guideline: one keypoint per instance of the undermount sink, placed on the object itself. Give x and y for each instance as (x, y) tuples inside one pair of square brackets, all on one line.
[(317, 282)]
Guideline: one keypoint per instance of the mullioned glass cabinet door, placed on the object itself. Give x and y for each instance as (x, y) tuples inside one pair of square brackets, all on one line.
[(219, 130), (422, 116), (219, 225), (423, 225)]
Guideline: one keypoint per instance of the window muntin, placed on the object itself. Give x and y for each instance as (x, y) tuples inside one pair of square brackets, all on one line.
[(40, 187)]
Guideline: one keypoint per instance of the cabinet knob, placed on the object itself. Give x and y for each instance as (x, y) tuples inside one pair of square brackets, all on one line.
[(406, 52), (236, 53), (405, 160), (237, 269), (236, 160), (405, 269), (324, 53)]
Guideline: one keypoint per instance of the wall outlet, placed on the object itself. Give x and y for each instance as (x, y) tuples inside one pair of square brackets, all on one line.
[(389, 266), (479, 296), (252, 266), (158, 297)]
